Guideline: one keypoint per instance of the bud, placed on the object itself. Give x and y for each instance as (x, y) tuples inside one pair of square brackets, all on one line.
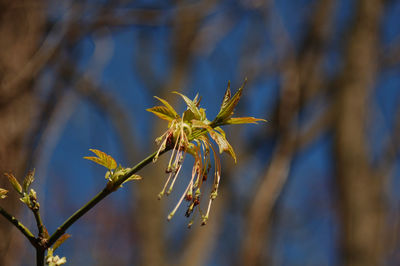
[(14, 182), (3, 193)]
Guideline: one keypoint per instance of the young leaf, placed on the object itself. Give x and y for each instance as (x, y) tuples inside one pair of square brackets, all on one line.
[(162, 112), (227, 97), (243, 120), (131, 178), (227, 107), (60, 241), (192, 105), (14, 182), (169, 107), (28, 180), (218, 135), (102, 159), (222, 143), (188, 116), (3, 193)]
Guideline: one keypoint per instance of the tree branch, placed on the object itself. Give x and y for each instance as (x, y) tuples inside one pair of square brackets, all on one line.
[(96, 199)]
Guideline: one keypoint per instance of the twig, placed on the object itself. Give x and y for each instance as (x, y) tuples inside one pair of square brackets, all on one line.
[(24, 230), (101, 195), (39, 222)]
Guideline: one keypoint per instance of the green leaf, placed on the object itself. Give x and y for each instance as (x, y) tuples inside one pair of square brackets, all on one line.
[(222, 143), (243, 120), (162, 112), (14, 182), (60, 241), (203, 114), (192, 105), (228, 106), (227, 97), (197, 100), (102, 159), (28, 180), (218, 135), (170, 108), (3, 193), (188, 116)]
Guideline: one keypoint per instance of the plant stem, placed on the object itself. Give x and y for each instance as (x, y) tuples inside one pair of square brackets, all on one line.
[(24, 230), (40, 256), (96, 199), (39, 222)]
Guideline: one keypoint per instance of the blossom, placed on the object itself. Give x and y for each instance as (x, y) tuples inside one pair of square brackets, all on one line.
[(192, 133)]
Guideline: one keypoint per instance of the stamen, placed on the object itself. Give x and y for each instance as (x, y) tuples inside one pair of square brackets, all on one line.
[(165, 186), (180, 201)]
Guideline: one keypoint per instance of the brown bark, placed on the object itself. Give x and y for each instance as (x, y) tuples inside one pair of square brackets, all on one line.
[(360, 190)]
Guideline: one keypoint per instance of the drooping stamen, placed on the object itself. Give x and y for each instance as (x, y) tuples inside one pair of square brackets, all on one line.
[(165, 186), (180, 157), (205, 217), (180, 200), (177, 172), (173, 151), (163, 145)]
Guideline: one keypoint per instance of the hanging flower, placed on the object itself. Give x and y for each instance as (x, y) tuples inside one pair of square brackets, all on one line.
[(192, 133)]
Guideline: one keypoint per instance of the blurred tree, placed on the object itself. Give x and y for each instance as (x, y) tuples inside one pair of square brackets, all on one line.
[(21, 30)]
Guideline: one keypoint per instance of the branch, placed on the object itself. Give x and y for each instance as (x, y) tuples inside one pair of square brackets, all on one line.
[(96, 199), (24, 230), (39, 222)]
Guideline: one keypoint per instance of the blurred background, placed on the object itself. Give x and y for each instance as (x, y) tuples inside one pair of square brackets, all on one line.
[(316, 185)]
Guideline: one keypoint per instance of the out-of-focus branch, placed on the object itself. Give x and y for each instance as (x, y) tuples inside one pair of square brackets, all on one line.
[(360, 190), (300, 73), (271, 185)]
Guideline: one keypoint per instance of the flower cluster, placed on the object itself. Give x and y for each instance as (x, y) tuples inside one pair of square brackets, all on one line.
[(192, 133)]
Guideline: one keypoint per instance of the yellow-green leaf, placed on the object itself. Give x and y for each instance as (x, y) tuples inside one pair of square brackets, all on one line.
[(191, 105), (218, 135), (3, 193), (169, 107), (228, 107), (14, 182), (200, 124), (29, 178), (162, 112), (227, 96), (222, 143), (102, 159), (243, 120)]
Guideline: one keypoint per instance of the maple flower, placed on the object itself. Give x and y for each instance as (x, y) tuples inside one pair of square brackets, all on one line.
[(192, 133)]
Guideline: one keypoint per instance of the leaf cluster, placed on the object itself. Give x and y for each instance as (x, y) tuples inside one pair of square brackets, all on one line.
[(28, 196), (196, 122), (114, 173)]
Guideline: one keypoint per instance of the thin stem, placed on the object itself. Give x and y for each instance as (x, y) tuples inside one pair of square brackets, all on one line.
[(96, 199), (39, 222), (24, 230)]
